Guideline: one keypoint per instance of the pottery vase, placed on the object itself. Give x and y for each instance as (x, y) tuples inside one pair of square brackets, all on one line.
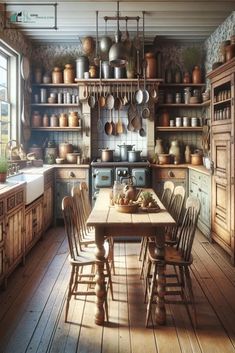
[(196, 75), (174, 151)]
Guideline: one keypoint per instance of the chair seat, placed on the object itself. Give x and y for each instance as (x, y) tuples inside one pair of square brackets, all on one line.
[(172, 256)]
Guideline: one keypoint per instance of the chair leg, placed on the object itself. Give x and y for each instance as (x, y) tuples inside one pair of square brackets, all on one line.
[(151, 295), (111, 254), (191, 295), (142, 248), (147, 279), (144, 257), (69, 295)]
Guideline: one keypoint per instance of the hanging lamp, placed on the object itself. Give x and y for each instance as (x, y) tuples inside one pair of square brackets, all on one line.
[(117, 52)]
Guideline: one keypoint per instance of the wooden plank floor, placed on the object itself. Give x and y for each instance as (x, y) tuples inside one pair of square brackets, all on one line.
[(32, 307)]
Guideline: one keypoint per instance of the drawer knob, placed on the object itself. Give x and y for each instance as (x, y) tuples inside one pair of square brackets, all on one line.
[(71, 174), (171, 174)]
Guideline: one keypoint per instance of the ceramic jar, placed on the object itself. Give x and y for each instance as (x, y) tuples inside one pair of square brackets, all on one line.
[(151, 68), (45, 120), (158, 147), (63, 120), (165, 119), (57, 76), (68, 74), (223, 46), (92, 71), (230, 51), (186, 78), (174, 151), (54, 121), (187, 154), (46, 78), (36, 119), (38, 75), (73, 119), (196, 75)]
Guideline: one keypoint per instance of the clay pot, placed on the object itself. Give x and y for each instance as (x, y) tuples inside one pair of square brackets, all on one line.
[(88, 45), (196, 159), (69, 74), (174, 151), (45, 120), (230, 51), (163, 158), (151, 68), (159, 147), (63, 120), (73, 119), (165, 119), (196, 75), (36, 119), (64, 149), (57, 76), (186, 78)]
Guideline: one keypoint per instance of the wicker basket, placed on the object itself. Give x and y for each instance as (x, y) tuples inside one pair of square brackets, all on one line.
[(127, 208)]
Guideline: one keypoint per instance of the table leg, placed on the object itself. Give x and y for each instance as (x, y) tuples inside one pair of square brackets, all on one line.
[(100, 288), (160, 313)]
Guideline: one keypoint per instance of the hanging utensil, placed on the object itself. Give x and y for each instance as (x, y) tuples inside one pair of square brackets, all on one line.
[(117, 101), (108, 125), (99, 122), (126, 39), (97, 57), (105, 42), (109, 101), (113, 124), (119, 126)]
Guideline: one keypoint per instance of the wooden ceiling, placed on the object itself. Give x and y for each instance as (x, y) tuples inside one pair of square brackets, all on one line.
[(186, 20)]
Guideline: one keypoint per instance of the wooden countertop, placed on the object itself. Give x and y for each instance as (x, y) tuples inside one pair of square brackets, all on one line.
[(198, 168)]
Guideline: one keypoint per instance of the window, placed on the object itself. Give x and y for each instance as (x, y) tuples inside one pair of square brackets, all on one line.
[(9, 93)]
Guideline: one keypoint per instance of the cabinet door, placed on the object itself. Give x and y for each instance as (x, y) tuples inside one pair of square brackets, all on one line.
[(14, 241), (221, 188), (2, 251), (33, 223), (48, 207)]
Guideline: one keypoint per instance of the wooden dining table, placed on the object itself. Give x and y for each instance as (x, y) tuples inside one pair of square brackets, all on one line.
[(108, 222)]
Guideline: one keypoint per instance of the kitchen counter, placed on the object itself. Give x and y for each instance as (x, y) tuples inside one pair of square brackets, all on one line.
[(199, 168)]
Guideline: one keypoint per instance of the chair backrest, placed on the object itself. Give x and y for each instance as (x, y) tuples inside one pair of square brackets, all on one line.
[(79, 209), (177, 202), (70, 225), (188, 228), (168, 190), (85, 196)]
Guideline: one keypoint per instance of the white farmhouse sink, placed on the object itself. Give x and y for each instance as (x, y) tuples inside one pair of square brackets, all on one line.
[(34, 185)]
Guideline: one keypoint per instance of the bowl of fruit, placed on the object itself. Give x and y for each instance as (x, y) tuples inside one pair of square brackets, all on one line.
[(126, 205)]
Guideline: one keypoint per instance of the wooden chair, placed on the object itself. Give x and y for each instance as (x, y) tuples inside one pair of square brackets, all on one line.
[(168, 190), (80, 260), (175, 209), (86, 209), (179, 258)]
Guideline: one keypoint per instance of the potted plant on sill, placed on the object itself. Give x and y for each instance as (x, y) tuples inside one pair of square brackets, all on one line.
[(3, 169)]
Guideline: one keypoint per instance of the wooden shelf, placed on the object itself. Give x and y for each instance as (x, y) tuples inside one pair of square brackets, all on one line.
[(64, 85), (182, 85), (206, 103), (181, 105), (56, 128), (222, 102), (182, 128), (54, 105)]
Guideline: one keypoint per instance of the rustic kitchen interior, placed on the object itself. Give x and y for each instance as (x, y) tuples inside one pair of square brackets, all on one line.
[(109, 99)]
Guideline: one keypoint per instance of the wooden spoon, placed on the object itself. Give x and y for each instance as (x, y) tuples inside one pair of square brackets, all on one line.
[(108, 126), (119, 126)]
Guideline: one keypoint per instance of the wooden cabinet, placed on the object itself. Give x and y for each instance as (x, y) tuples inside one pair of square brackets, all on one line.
[(15, 227), (65, 179), (179, 175), (2, 240), (200, 186), (33, 223), (222, 152), (48, 199)]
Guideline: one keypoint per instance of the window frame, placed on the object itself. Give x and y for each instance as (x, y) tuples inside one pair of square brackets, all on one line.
[(13, 91)]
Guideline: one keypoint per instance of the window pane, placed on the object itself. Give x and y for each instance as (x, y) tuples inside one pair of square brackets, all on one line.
[(3, 62), (3, 93), (3, 77), (4, 125)]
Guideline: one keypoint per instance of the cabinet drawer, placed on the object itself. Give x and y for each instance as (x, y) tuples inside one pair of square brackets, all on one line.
[(15, 200), (71, 173), (205, 182), (171, 173)]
